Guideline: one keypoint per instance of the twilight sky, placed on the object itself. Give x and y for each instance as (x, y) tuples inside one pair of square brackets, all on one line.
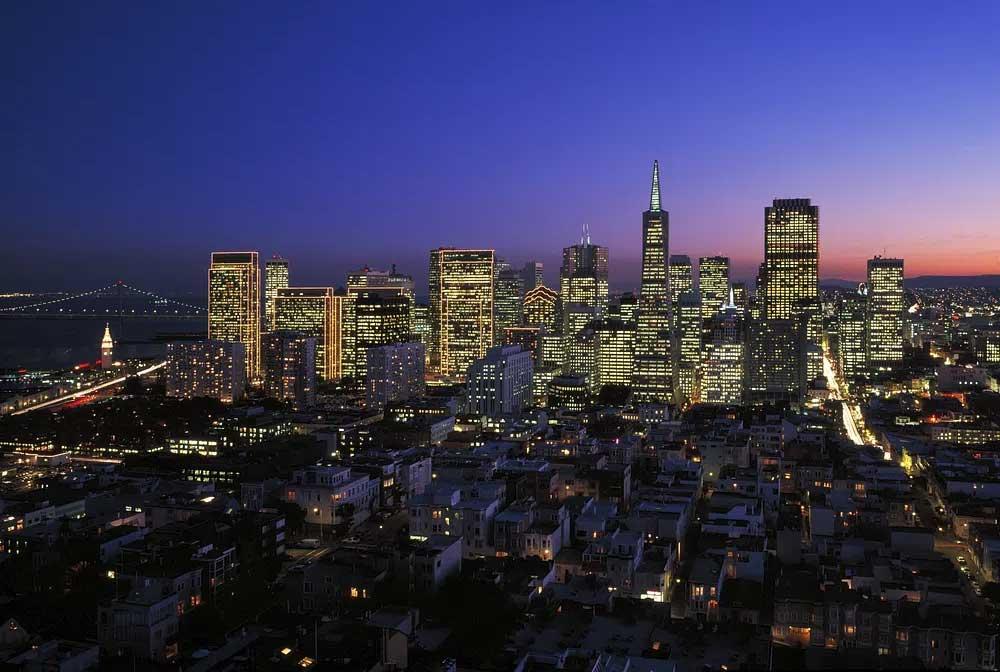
[(139, 137)]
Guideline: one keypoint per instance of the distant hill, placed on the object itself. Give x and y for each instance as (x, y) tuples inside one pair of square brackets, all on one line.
[(942, 281)]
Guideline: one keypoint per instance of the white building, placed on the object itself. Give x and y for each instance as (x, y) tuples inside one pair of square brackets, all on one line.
[(499, 384)]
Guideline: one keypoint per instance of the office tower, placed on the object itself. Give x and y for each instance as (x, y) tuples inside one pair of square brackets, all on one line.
[(687, 346), (885, 314), (988, 346), (581, 356), (499, 384), (627, 307), (507, 300), (461, 303), (553, 349), (614, 352), (532, 275), (790, 313), (713, 285), (723, 377), (107, 349), (209, 368), (653, 366), (288, 364), (422, 323), (394, 373), (275, 278), (369, 285), (851, 350), (528, 339), (234, 304), (378, 320), (741, 295), (681, 277), (313, 311), (541, 309), (583, 284)]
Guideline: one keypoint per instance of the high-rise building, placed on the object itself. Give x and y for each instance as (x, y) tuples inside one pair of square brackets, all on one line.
[(724, 372), (275, 278), (687, 346), (528, 339), (370, 285), (507, 300), (394, 373), (499, 384), (541, 309), (315, 312), (791, 319), (681, 277), (234, 304), (532, 275), (378, 320), (288, 363), (741, 296), (568, 392), (885, 325), (461, 306), (652, 380), (107, 349), (713, 285), (851, 350), (583, 284), (626, 307), (209, 368), (580, 357), (614, 352)]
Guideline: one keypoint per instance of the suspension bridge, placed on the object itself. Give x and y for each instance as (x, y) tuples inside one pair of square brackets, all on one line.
[(116, 301)]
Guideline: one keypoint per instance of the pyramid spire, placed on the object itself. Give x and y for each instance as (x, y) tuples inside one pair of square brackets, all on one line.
[(107, 341), (732, 300), (654, 196)]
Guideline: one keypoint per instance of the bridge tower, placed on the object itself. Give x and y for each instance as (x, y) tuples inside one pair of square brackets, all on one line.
[(107, 348)]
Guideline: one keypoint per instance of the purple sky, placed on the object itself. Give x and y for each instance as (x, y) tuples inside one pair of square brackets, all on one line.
[(139, 137)]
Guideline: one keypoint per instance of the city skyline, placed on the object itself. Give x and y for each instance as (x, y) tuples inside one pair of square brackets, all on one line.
[(262, 135)]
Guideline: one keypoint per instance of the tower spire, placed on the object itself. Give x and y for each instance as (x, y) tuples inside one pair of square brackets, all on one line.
[(654, 196)]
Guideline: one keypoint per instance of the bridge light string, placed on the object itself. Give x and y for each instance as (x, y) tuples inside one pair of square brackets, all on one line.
[(41, 304)]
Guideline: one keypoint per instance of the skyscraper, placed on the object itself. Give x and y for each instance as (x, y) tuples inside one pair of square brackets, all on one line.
[(370, 285), (288, 363), (461, 307), (313, 311), (507, 302), (687, 346), (681, 277), (851, 350), (378, 320), (533, 275), (653, 367), (885, 313), (614, 352), (275, 278), (791, 319), (234, 304), (499, 384), (723, 377), (583, 284), (541, 309), (713, 285)]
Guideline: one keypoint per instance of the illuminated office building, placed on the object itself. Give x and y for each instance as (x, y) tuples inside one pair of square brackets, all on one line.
[(851, 350), (461, 306), (275, 278), (988, 346), (528, 339), (581, 356), (568, 392), (509, 290), (209, 368), (652, 379), (288, 363), (791, 320), (741, 296), (234, 304), (385, 283), (553, 349), (614, 352), (541, 309), (724, 374), (378, 320), (626, 307), (394, 373), (532, 275), (886, 310), (499, 384), (583, 284), (713, 285), (422, 323), (681, 277), (687, 346), (315, 312)]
